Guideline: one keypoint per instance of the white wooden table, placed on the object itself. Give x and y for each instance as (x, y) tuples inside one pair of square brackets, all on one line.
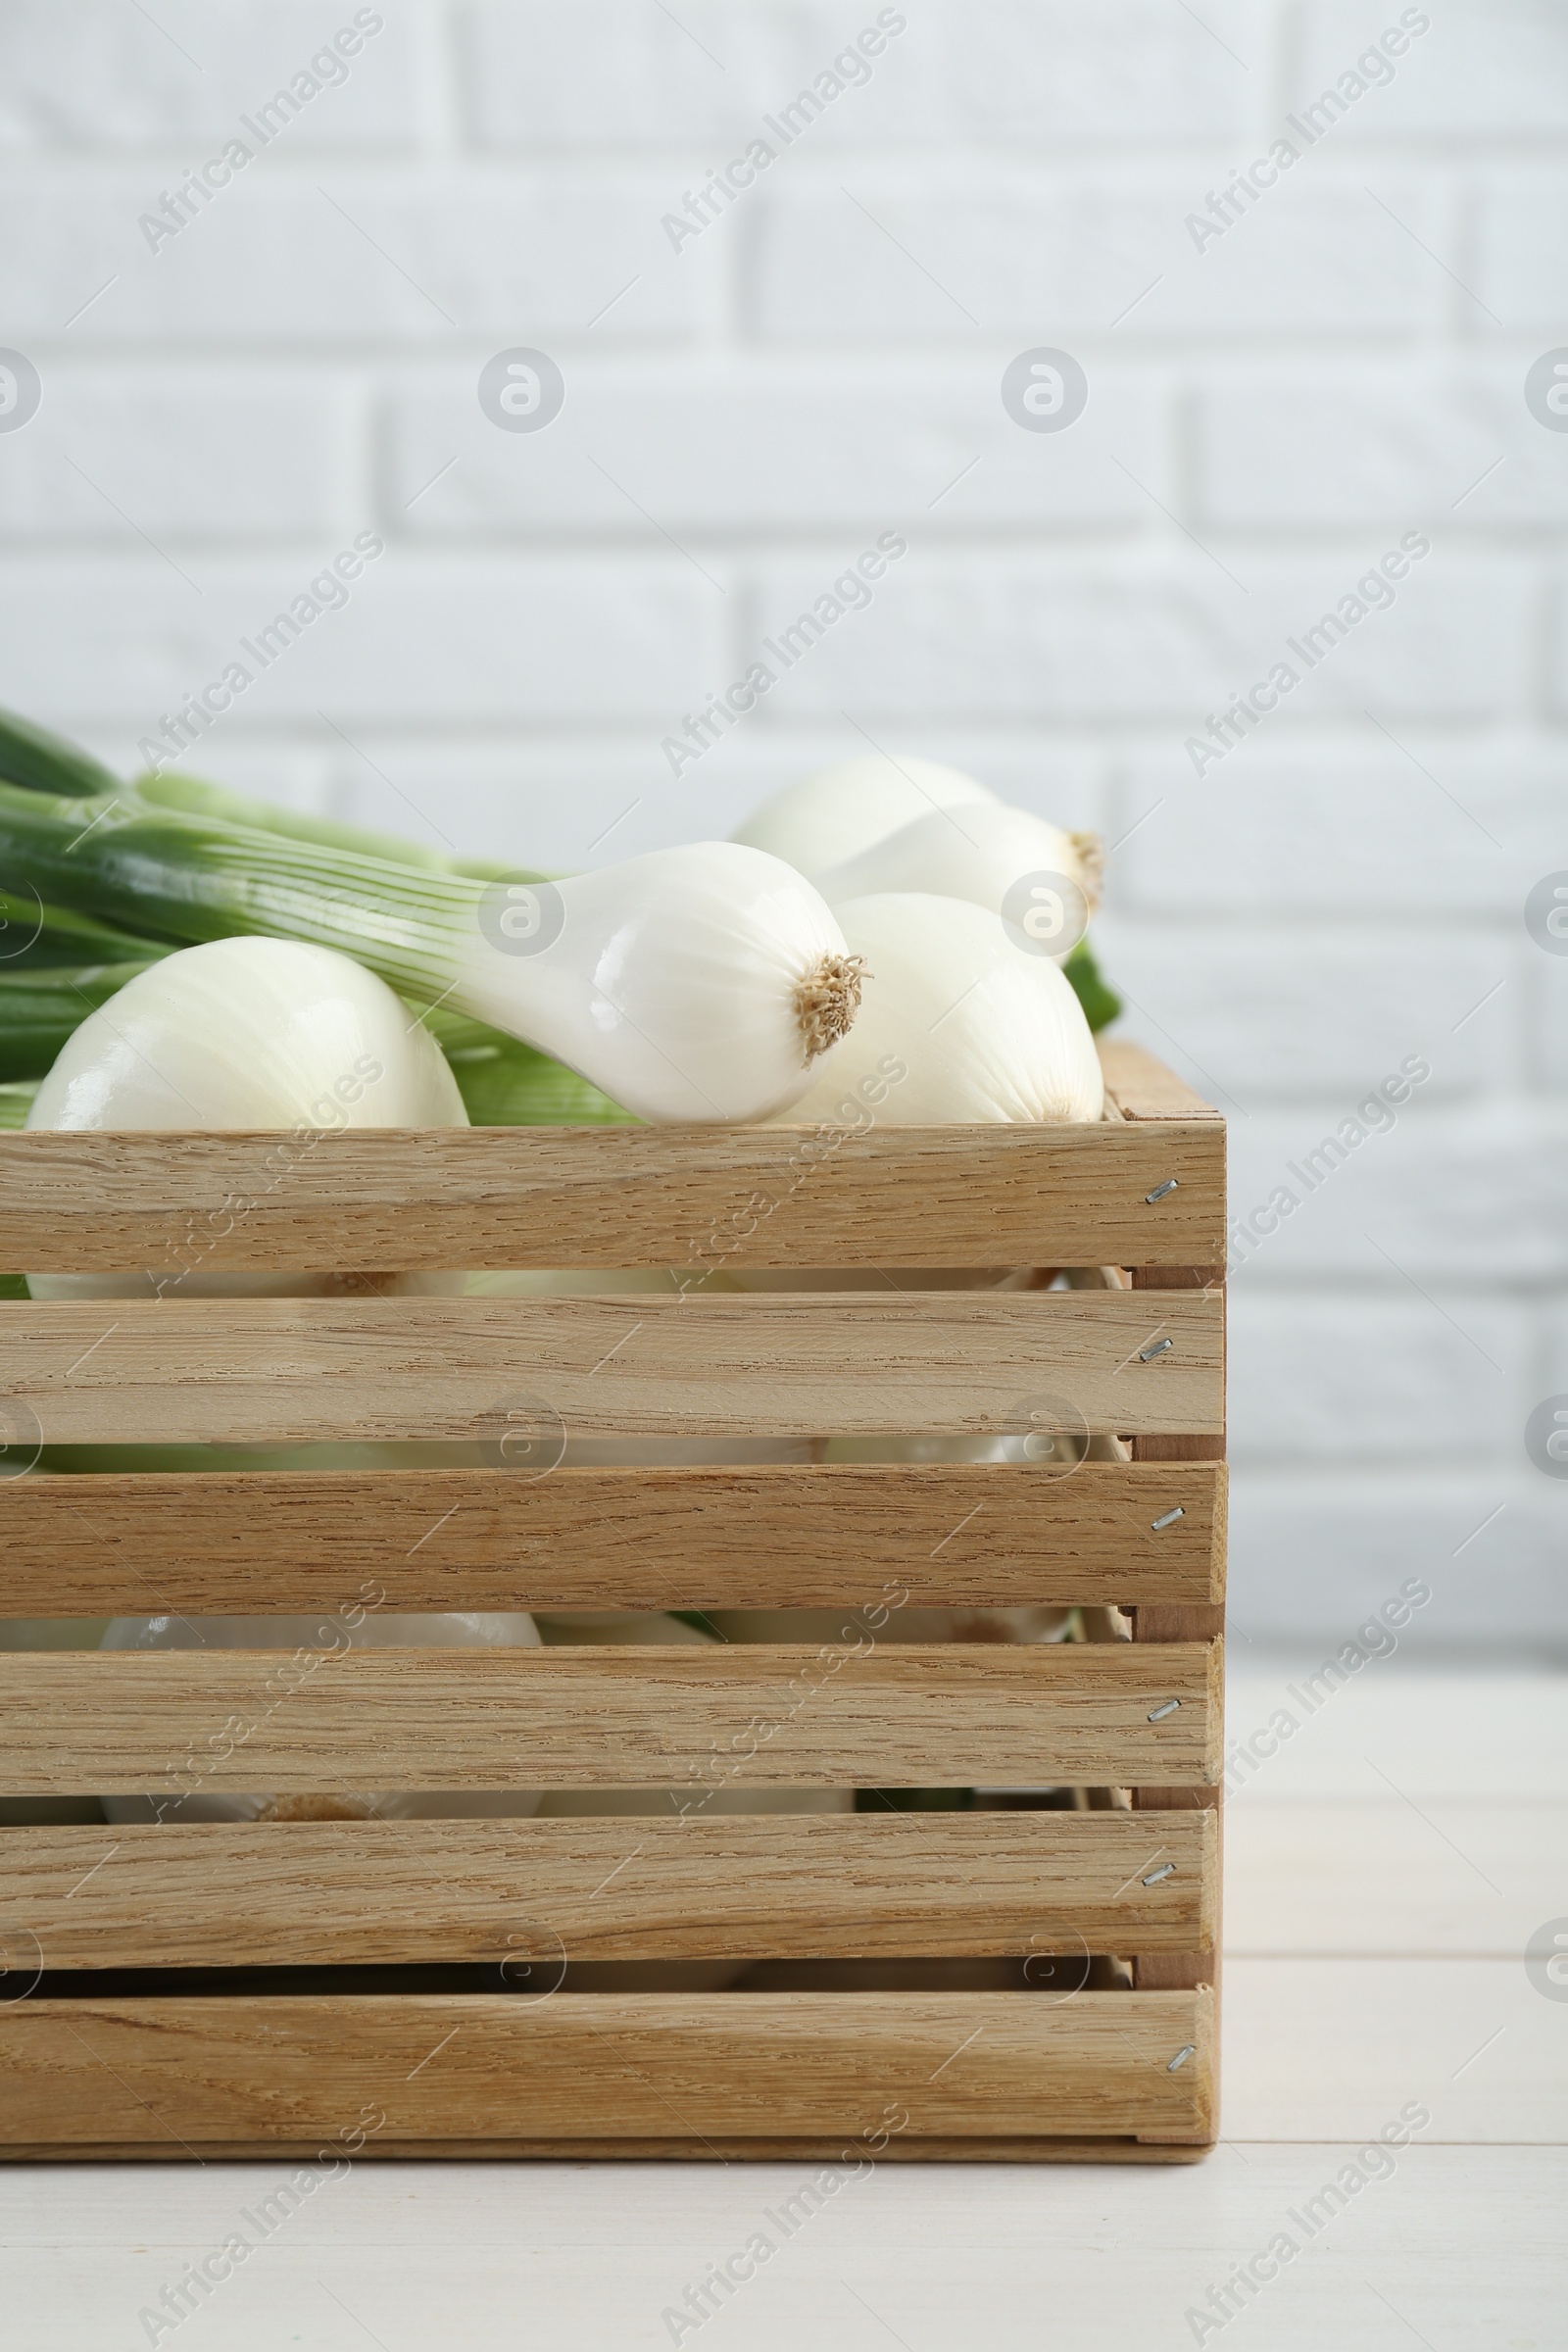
[(1385, 1871)]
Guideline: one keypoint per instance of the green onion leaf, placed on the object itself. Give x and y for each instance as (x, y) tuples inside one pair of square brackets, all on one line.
[(1098, 1000), (30, 755), (42, 1007)]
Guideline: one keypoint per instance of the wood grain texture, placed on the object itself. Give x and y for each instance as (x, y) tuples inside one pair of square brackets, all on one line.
[(176, 2071), (1143, 1088), (281, 1371), (991, 2076), (288, 1895), (1164, 1622), (951, 1715), (693, 1198), (961, 1535), (760, 2149)]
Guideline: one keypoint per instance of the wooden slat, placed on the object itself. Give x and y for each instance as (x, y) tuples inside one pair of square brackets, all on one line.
[(961, 1535), (284, 1370), (692, 1198), (865, 1886), (178, 2071), (935, 2147), (1142, 1088), (959, 1714)]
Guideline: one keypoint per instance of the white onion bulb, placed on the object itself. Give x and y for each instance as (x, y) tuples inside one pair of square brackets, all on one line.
[(250, 1033), (988, 853), (957, 1023), (695, 984), (843, 809), (245, 1034)]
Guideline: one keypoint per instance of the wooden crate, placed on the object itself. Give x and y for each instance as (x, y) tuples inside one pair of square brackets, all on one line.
[(1099, 2069)]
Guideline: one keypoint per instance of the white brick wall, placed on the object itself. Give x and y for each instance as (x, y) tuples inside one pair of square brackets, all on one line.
[(1267, 415)]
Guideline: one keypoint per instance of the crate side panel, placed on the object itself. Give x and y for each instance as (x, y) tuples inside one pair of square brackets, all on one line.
[(784, 1536), (286, 1371), (691, 1199), (864, 1885), (174, 1721), (170, 2070)]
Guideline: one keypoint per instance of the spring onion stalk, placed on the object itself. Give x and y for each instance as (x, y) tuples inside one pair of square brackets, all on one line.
[(844, 809), (697, 984), (512, 1085), (41, 1006), (959, 1023), (31, 934), (247, 1034), (40, 761), (196, 798), (457, 1033)]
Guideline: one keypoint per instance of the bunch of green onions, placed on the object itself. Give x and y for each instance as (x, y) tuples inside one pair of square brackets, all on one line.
[(98, 879), (80, 916)]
